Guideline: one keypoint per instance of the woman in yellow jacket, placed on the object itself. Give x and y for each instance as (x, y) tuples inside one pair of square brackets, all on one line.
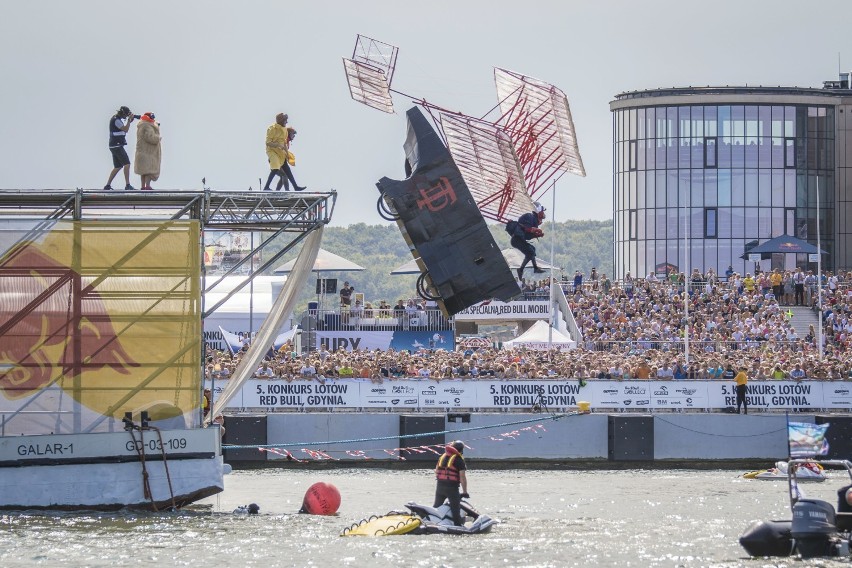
[(276, 148), (278, 138)]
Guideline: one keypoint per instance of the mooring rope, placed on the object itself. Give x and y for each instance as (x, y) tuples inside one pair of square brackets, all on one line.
[(400, 437)]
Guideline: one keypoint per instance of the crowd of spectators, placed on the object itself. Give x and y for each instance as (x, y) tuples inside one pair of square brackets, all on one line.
[(632, 329)]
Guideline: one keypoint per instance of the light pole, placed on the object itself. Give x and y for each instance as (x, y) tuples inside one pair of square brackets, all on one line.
[(819, 272)]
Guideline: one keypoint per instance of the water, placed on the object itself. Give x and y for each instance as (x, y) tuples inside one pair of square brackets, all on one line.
[(548, 518)]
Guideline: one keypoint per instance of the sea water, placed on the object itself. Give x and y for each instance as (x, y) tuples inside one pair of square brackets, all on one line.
[(547, 518)]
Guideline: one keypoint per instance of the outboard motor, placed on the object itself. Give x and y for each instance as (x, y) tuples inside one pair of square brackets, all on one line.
[(814, 528)]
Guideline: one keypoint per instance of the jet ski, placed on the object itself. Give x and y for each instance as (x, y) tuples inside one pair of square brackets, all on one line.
[(421, 519), (808, 471), (440, 520), (816, 529)]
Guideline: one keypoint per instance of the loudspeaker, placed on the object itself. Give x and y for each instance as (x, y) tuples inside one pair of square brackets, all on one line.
[(631, 438), (443, 226), (330, 285), (409, 425), (244, 430)]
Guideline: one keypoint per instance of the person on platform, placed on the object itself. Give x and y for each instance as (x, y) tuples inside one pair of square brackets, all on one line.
[(149, 152), (119, 124), (277, 147), (742, 380), (346, 295), (290, 161), (524, 230), (450, 474)]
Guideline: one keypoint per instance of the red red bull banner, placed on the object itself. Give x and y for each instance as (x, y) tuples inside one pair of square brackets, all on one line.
[(98, 319)]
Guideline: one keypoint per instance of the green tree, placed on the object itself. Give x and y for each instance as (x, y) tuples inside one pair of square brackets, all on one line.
[(578, 245)]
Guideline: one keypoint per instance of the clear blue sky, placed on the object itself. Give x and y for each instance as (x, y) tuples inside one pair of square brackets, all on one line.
[(216, 73)]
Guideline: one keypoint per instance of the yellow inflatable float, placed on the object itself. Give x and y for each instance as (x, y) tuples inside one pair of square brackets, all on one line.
[(385, 525)]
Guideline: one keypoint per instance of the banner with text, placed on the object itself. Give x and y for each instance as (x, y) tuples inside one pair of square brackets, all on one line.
[(351, 340), (497, 310), (554, 394)]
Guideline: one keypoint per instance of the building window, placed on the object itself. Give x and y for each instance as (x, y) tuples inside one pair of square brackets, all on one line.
[(790, 221), (789, 152), (632, 224), (632, 158), (711, 224), (710, 152)]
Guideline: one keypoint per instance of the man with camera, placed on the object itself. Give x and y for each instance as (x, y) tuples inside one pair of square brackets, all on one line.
[(119, 124)]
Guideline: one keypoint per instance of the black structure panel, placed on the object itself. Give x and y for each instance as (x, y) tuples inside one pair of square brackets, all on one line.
[(839, 435), (326, 286), (410, 424), (442, 224), (241, 430), (631, 438)]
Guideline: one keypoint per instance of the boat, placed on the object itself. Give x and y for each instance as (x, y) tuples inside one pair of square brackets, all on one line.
[(101, 343), (816, 529), (422, 519), (100, 367), (440, 520), (809, 471)]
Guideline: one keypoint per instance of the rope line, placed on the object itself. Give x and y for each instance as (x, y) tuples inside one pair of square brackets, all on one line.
[(398, 437), (716, 434)]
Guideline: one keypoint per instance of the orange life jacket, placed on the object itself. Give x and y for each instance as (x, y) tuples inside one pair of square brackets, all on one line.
[(446, 469)]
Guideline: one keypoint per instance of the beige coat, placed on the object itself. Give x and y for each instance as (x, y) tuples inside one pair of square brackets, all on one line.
[(148, 150)]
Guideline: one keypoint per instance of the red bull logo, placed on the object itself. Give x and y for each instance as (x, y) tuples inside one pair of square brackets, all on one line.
[(55, 325), (437, 197)]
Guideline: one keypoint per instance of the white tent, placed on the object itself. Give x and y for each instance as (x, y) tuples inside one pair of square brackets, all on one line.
[(326, 262), (536, 338)]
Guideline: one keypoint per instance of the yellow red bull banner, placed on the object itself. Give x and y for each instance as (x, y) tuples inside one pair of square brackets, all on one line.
[(98, 318)]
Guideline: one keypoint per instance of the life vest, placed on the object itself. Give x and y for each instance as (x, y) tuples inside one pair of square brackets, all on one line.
[(117, 136), (446, 469)]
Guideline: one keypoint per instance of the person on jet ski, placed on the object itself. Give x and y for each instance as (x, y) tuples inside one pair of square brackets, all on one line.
[(450, 474)]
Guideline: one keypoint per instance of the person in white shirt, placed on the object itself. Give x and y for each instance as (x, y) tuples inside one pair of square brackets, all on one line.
[(264, 371)]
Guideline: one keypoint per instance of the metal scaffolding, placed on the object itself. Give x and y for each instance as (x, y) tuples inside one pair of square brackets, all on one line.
[(271, 213)]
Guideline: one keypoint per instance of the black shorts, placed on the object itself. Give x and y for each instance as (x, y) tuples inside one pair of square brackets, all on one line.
[(119, 157)]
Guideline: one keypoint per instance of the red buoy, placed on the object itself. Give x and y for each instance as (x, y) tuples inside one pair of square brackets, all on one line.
[(321, 499)]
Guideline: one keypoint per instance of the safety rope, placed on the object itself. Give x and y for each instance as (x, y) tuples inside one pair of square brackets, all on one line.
[(140, 451), (717, 434), (146, 477), (165, 465), (402, 437)]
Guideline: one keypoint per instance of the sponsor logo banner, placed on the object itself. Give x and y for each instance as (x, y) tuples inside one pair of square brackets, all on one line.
[(352, 340), (553, 394), (497, 310)]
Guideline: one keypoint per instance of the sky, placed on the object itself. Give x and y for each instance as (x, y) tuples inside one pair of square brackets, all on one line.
[(216, 73)]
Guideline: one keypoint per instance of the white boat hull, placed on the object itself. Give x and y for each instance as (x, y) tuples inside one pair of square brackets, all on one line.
[(104, 471)]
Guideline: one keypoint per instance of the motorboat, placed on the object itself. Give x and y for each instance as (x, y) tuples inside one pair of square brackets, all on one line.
[(816, 529), (422, 519), (440, 520), (808, 471)]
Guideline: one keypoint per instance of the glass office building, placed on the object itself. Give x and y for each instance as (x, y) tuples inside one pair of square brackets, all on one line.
[(701, 175)]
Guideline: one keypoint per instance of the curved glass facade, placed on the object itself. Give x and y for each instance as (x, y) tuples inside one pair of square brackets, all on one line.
[(695, 186)]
